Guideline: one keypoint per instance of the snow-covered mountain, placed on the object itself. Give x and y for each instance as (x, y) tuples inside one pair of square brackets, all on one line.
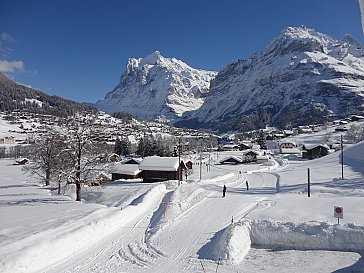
[(302, 76), (156, 86)]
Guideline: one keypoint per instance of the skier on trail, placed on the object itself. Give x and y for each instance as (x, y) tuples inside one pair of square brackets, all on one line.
[(223, 191), (247, 185)]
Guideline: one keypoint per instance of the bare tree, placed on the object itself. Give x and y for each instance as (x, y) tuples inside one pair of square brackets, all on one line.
[(47, 156), (355, 133), (81, 151)]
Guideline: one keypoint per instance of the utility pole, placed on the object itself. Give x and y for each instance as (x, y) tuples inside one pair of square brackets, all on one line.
[(200, 164), (179, 162), (342, 158), (308, 183)]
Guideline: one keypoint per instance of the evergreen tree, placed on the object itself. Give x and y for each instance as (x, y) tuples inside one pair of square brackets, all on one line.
[(262, 141), (122, 146)]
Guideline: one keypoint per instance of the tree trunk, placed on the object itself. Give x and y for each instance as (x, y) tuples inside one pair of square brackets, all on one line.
[(78, 191), (47, 178)]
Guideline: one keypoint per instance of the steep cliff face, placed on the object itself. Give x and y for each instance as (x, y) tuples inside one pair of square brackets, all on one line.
[(303, 76), (156, 86)]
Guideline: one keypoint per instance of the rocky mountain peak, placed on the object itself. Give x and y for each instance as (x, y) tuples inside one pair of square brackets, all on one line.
[(152, 59), (156, 86)]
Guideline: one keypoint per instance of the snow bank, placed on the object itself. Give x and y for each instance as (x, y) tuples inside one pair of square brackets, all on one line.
[(233, 243), (30, 254), (307, 236), (229, 245)]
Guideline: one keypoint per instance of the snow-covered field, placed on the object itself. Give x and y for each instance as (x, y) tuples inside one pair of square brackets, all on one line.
[(122, 227)]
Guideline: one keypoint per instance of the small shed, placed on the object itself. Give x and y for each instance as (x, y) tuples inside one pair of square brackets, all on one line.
[(22, 161), (262, 159), (188, 163), (114, 157)]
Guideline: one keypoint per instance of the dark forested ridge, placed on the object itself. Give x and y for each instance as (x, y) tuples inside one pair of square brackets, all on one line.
[(16, 96)]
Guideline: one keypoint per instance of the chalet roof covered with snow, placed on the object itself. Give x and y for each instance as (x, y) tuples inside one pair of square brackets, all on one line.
[(129, 169), (156, 163), (131, 161), (232, 158), (312, 146)]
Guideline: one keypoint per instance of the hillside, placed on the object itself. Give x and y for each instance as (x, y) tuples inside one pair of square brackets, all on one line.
[(16, 96)]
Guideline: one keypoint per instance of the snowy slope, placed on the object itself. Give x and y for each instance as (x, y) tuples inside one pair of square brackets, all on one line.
[(156, 86), (302, 76)]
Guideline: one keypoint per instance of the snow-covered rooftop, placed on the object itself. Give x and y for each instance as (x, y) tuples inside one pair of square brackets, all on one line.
[(156, 163)]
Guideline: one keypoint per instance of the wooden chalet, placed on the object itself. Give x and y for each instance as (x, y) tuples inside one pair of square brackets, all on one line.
[(250, 156), (230, 147), (125, 171), (244, 146), (315, 151), (356, 118), (288, 147), (232, 160), (157, 169)]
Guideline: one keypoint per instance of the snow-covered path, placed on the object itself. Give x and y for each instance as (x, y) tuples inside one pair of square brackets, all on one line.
[(187, 234), (124, 246)]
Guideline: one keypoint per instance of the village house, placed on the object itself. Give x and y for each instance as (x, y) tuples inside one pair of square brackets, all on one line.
[(287, 144), (304, 130), (125, 171), (230, 147), (356, 118), (7, 140), (244, 146), (232, 160), (314, 151), (250, 156), (288, 147), (156, 169)]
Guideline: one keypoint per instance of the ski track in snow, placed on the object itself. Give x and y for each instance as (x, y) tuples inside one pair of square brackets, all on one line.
[(125, 247), (189, 237)]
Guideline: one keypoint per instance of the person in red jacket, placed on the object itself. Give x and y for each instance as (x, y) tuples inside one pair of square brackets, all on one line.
[(223, 191)]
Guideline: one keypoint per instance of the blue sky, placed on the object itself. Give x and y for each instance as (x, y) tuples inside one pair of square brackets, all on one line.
[(78, 49)]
